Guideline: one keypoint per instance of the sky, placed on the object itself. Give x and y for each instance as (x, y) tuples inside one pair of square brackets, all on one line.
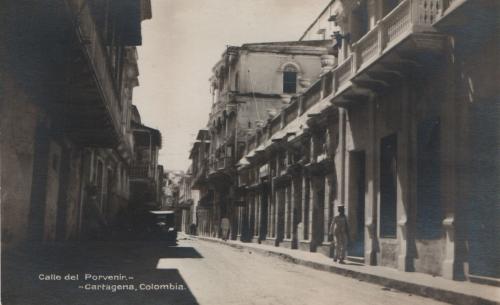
[(181, 44)]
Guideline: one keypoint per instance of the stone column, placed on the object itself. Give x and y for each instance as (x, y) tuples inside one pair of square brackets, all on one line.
[(342, 153), (303, 214), (311, 209), (295, 217), (404, 183), (269, 217), (257, 215), (328, 206), (276, 205), (450, 156), (372, 182), (287, 212)]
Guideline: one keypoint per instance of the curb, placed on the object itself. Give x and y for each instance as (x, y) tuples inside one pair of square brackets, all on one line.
[(416, 289)]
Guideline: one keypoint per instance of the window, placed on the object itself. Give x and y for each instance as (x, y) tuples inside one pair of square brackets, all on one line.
[(389, 5), (388, 190), (289, 79), (360, 21), (237, 82)]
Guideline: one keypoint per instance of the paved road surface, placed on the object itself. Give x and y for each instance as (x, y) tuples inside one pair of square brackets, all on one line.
[(194, 272)]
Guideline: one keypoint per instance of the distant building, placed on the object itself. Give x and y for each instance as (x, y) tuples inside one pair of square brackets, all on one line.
[(188, 203), (250, 85), (146, 176)]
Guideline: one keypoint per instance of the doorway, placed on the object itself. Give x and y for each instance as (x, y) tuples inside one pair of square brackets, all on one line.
[(356, 208), (483, 206), (39, 184), (318, 187), (264, 197)]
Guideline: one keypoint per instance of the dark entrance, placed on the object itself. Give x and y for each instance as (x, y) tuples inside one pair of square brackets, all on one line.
[(318, 211), (357, 202), (483, 205), (264, 198), (388, 190), (39, 183)]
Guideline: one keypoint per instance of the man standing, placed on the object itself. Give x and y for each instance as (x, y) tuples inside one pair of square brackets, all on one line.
[(340, 232), (94, 222)]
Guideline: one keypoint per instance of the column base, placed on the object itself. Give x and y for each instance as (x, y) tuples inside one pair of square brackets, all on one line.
[(405, 263), (371, 258), (306, 245), (286, 243), (325, 249), (271, 241), (452, 270)]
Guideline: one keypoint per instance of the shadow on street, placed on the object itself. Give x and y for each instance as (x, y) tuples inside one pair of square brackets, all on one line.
[(108, 273)]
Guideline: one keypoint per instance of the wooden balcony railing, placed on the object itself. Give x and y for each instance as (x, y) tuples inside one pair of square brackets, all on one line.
[(140, 171), (410, 16), (95, 51)]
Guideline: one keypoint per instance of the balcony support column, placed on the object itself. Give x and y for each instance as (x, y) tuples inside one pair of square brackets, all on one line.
[(296, 208), (405, 184), (452, 153), (340, 158), (310, 214), (304, 199), (287, 213), (372, 194), (328, 206)]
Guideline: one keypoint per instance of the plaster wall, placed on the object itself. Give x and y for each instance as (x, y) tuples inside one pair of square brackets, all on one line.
[(261, 72), (73, 196), (52, 197), (388, 117), (17, 130)]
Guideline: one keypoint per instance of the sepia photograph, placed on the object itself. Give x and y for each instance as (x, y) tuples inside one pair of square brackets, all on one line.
[(250, 152)]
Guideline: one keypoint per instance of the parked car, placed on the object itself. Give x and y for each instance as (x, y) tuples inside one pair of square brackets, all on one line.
[(161, 226)]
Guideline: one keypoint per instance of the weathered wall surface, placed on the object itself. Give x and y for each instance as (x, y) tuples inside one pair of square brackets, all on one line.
[(51, 201), (262, 72), (73, 197), (18, 126)]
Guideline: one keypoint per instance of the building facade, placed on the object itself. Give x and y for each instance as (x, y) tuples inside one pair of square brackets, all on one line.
[(68, 73), (401, 129), (146, 175), (250, 84), (188, 203)]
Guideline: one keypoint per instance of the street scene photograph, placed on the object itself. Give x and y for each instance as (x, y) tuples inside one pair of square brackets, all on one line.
[(250, 152)]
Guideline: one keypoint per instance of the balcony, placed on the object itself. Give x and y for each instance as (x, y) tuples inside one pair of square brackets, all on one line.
[(97, 58), (472, 22), (141, 171), (389, 50), (199, 176), (65, 65), (401, 42), (221, 170)]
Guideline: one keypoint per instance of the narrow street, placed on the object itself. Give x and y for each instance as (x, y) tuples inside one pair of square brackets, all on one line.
[(194, 272)]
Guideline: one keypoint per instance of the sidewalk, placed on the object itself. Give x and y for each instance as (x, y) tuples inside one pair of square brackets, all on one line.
[(454, 292)]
